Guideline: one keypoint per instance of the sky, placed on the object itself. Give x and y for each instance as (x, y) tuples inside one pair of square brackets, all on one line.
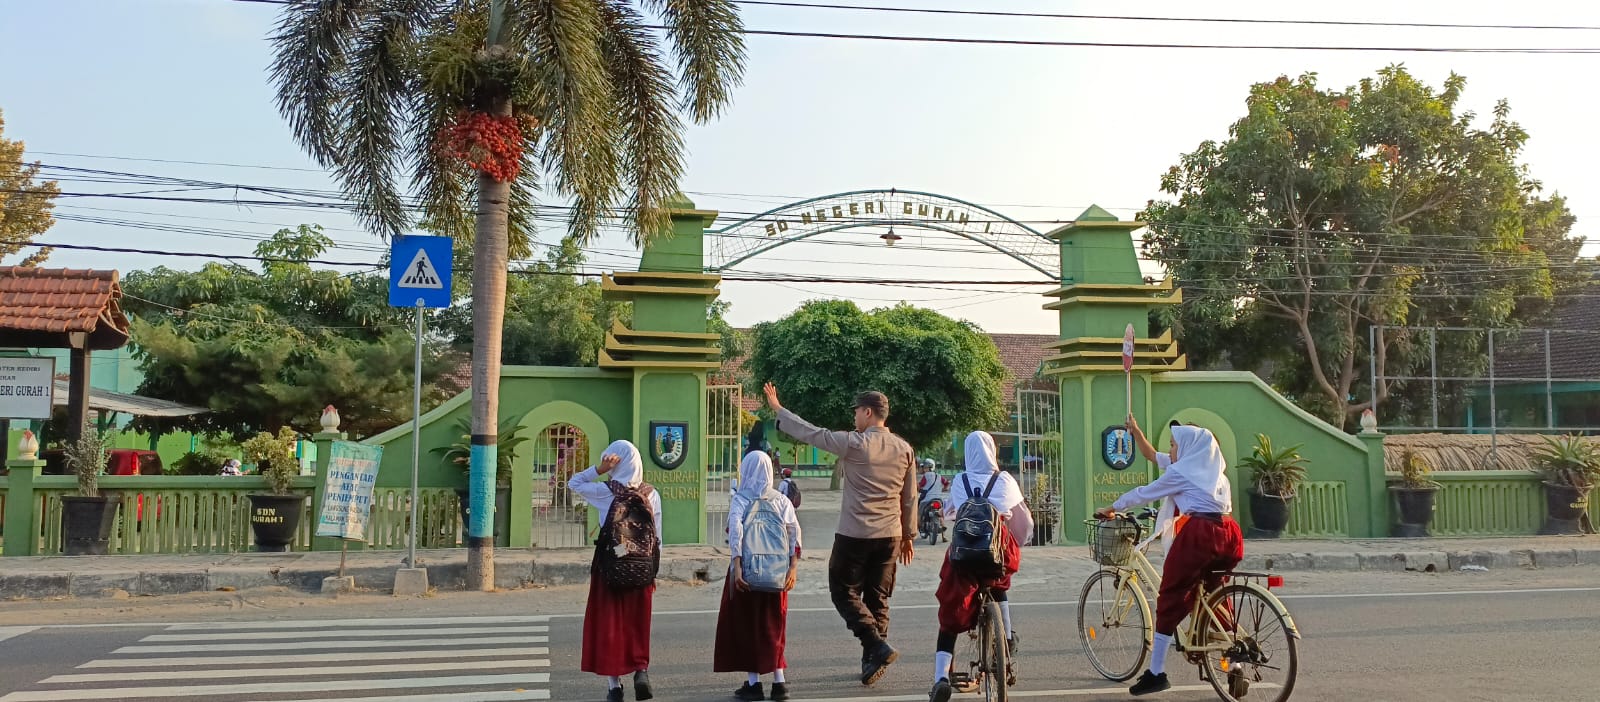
[(1036, 133)]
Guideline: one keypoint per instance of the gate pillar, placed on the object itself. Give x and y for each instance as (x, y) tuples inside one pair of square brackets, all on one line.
[(669, 350), (1102, 292)]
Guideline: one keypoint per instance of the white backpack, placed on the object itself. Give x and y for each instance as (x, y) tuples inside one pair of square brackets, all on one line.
[(766, 547)]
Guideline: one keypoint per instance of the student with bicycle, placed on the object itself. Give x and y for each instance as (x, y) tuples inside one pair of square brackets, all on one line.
[(963, 576), (1196, 525)]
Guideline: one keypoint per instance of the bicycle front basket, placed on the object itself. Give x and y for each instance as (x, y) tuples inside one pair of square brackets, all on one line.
[(1114, 541)]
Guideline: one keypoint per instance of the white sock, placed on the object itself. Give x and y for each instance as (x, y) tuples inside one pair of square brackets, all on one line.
[(1158, 654), (1005, 617), (777, 676), (941, 665), (615, 681), (755, 679)]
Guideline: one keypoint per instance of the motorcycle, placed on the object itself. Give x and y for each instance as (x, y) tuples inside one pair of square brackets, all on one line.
[(932, 521)]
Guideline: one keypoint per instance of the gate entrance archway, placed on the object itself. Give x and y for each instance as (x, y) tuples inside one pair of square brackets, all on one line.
[(745, 239)]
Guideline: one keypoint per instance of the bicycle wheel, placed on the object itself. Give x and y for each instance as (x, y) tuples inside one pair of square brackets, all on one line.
[(1114, 624), (1264, 654), (994, 652)]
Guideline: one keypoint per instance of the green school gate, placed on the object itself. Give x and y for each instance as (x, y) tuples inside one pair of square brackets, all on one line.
[(657, 370), (657, 373)]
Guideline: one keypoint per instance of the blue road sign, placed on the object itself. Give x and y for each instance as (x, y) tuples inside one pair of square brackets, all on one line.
[(419, 271)]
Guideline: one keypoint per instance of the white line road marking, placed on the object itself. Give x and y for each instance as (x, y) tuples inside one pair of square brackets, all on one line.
[(304, 645), (232, 690), (515, 696), (301, 624), (347, 656), (1077, 692), (302, 671), (359, 633), (7, 632)]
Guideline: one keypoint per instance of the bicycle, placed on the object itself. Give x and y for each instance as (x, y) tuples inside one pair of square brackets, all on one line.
[(1235, 622), (988, 651)]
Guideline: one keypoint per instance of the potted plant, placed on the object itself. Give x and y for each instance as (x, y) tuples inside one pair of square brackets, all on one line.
[(88, 517), (1414, 495), (1570, 465), (275, 517), (460, 454), (1275, 474)]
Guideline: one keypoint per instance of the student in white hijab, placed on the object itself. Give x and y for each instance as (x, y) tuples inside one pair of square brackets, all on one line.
[(958, 589), (1196, 525), (616, 623), (752, 626)]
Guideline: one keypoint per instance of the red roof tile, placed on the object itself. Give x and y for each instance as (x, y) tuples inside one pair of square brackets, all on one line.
[(44, 306)]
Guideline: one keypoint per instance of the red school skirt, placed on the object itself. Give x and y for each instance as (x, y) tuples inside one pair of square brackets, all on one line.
[(616, 628), (751, 631), (958, 589)]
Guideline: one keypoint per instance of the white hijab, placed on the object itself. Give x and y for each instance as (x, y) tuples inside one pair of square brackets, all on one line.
[(630, 470), (982, 464), (755, 476), (1200, 462)]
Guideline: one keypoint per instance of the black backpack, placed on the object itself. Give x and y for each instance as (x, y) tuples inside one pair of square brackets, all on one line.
[(791, 490), (975, 544), (628, 548)]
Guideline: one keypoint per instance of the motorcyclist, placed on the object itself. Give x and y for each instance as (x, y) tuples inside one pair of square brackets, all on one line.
[(928, 490)]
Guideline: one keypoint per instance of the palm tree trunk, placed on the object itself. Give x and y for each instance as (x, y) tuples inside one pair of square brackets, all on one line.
[(489, 261)]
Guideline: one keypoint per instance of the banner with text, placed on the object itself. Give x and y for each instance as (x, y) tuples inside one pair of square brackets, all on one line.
[(27, 387), (352, 473)]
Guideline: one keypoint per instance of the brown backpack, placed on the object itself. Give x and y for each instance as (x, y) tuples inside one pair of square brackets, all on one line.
[(629, 549)]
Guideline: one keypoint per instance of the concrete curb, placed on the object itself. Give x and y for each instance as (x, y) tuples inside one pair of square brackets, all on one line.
[(1433, 561)]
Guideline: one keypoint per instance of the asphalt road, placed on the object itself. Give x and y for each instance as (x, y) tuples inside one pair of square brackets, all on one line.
[(1523, 636)]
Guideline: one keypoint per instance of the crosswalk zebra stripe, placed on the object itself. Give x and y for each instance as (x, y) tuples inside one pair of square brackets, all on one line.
[(115, 693), (358, 633), (516, 696), (303, 645), (303, 671), (344, 623), (347, 656)]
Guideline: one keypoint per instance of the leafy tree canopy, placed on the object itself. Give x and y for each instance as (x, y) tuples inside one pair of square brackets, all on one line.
[(557, 318), (271, 347), (941, 375), (1327, 212), (25, 205)]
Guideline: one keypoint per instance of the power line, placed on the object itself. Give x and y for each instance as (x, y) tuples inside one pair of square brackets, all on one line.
[(1152, 18)]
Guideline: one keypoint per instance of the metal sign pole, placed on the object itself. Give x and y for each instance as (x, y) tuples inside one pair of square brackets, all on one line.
[(416, 436)]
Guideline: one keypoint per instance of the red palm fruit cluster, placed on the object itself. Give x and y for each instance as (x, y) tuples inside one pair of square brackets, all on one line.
[(488, 143)]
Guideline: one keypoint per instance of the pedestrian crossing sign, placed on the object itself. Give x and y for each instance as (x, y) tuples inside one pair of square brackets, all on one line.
[(419, 271)]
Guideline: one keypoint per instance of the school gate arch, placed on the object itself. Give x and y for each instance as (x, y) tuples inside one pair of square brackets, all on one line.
[(654, 371)]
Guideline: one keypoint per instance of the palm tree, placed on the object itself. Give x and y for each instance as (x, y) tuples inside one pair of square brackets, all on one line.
[(481, 104)]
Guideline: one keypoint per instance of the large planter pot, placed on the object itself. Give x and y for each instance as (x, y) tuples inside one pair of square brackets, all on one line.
[(275, 519), (86, 524), (1269, 515), (502, 513), (1414, 510), (1564, 509)]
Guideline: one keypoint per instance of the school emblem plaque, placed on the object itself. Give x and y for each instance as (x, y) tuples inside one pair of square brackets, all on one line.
[(669, 443), (1116, 447)]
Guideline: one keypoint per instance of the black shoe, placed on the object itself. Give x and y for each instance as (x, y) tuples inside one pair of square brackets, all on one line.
[(1238, 685), (878, 660), (750, 692), (1149, 683), (614, 695), (1013, 644), (941, 691), (641, 686), (780, 692)]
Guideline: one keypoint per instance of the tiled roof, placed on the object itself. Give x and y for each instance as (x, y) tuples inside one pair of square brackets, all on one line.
[(1573, 340), (43, 307), (1021, 354)]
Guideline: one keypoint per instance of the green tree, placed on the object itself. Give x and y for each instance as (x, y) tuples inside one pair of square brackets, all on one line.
[(941, 375), (24, 204), (271, 347), (1327, 212), (483, 103), (556, 318)]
